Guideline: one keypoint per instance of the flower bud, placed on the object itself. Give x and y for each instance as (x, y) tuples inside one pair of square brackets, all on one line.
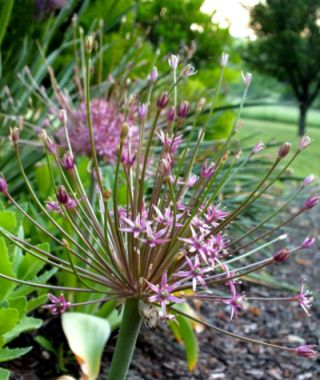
[(312, 201), (183, 110), (107, 194), (247, 78), (63, 116), (308, 242), (188, 71), (224, 59), (304, 142), (67, 161), (43, 136), (171, 115), (306, 351), (165, 167), (201, 104), (258, 147), (163, 100), (281, 255), (124, 132), (128, 159), (142, 111), (284, 150), (89, 43), (62, 195), (173, 61), (153, 75), (309, 179), (207, 170), (3, 186), (14, 134)]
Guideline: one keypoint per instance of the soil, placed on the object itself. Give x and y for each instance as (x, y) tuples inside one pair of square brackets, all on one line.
[(159, 356)]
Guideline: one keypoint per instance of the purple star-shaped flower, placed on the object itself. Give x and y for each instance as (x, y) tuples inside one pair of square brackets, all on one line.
[(58, 304), (138, 226), (163, 293), (196, 272)]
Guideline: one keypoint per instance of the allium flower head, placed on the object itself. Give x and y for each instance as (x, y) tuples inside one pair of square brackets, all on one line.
[(158, 227), (107, 123)]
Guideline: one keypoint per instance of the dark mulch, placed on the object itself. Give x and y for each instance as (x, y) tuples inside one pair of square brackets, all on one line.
[(159, 356)]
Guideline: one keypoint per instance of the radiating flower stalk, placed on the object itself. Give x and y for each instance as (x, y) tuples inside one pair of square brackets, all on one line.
[(168, 241)]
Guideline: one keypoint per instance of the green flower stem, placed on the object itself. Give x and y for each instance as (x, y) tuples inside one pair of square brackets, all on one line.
[(129, 330)]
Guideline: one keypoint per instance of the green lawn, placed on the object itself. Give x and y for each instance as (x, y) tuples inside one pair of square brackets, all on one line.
[(281, 113), (308, 162)]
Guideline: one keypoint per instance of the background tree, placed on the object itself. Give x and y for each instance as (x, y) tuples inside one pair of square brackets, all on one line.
[(174, 24), (288, 47)]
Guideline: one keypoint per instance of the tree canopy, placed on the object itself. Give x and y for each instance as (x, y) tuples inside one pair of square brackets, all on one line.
[(288, 47)]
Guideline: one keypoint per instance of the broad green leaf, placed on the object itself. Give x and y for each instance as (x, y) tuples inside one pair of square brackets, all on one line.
[(19, 303), (190, 341), (31, 266), (87, 336), (9, 317), (4, 374), (26, 324), (8, 220), (7, 354), (185, 333), (106, 309), (35, 302), (43, 181), (5, 265), (114, 319)]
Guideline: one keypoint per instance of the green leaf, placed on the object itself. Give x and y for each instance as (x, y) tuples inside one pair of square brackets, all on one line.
[(190, 341), (5, 15), (26, 324), (4, 374), (43, 181), (5, 265), (8, 220), (106, 309), (45, 343), (19, 303), (35, 302), (7, 354), (31, 266), (9, 317), (87, 336)]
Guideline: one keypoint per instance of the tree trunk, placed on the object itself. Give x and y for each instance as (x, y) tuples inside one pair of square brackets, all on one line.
[(302, 119)]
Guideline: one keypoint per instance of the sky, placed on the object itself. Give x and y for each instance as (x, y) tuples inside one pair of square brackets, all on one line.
[(231, 12)]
